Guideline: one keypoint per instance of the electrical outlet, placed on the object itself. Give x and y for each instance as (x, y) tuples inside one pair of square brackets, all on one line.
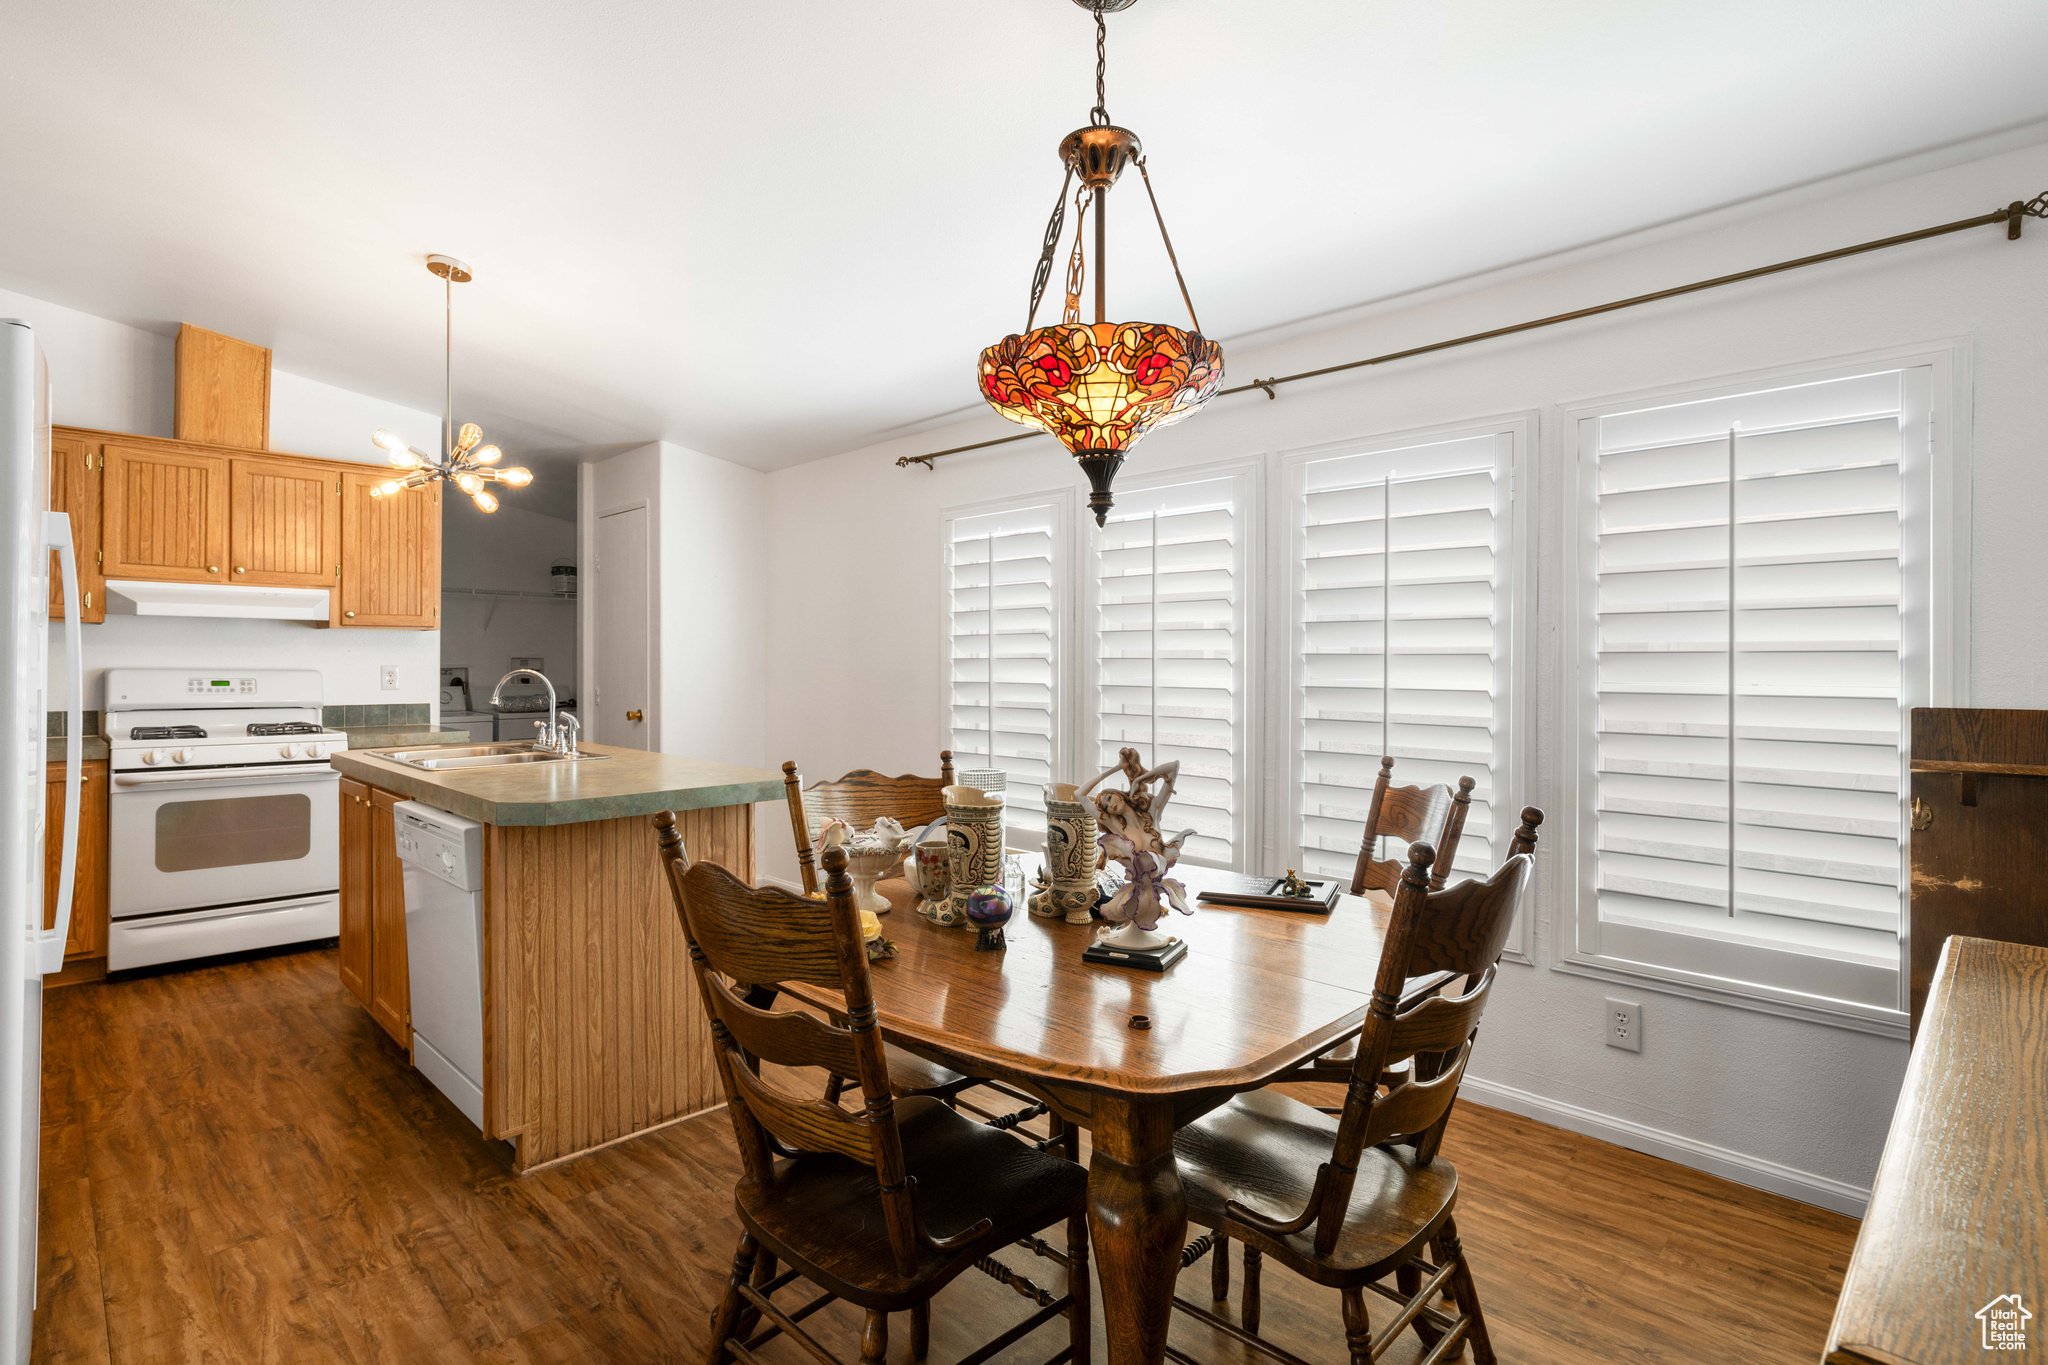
[(1625, 1025), (387, 677)]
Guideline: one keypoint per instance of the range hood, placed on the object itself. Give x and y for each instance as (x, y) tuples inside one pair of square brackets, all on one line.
[(134, 597)]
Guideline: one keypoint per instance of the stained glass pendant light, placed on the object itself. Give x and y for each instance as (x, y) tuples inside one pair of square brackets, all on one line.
[(1099, 387), (463, 462)]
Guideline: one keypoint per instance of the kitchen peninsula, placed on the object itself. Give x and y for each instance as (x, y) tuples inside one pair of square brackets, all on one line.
[(592, 1031)]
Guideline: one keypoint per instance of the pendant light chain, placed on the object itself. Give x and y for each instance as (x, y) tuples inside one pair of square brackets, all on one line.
[(1099, 115)]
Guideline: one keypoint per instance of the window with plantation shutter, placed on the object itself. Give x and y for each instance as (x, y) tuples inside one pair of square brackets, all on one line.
[(1167, 588), (1003, 642), (1759, 625), (1401, 611)]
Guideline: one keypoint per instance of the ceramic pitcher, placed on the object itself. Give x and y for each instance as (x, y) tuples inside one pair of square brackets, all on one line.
[(1069, 857), (974, 841)]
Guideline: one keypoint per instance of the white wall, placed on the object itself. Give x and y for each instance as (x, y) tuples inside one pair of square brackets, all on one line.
[(1790, 1105), (114, 377), (509, 549)]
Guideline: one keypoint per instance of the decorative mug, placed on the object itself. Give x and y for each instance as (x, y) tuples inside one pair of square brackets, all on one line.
[(974, 843), (1070, 834), (932, 865)]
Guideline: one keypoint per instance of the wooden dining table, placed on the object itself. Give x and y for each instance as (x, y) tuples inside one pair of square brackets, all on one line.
[(1131, 1055)]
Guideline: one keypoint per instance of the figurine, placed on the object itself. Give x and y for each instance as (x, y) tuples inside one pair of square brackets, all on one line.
[(1129, 821), (1291, 885)]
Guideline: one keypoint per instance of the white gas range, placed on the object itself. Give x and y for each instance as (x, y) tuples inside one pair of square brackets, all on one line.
[(225, 813)]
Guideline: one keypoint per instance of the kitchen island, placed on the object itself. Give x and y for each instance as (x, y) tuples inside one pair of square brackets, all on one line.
[(592, 1028)]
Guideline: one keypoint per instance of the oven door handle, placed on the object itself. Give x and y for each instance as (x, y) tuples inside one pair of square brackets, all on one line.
[(226, 775)]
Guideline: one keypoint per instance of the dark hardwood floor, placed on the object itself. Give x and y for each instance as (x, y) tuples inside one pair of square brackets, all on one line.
[(239, 1166)]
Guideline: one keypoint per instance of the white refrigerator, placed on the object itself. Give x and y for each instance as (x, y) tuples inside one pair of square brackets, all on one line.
[(27, 949)]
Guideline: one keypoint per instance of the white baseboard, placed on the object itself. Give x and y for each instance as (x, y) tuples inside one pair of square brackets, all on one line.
[(1739, 1167)]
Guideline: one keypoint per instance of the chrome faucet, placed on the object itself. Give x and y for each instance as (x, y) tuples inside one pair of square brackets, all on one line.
[(557, 732)]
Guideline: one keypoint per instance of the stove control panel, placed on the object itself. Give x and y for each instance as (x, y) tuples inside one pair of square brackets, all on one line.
[(221, 687)]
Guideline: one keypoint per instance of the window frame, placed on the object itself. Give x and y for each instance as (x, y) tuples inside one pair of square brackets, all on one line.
[(1066, 571), (1935, 511), (1250, 838), (1514, 776)]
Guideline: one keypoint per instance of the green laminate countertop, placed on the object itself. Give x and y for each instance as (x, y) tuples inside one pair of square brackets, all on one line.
[(628, 782), (403, 737)]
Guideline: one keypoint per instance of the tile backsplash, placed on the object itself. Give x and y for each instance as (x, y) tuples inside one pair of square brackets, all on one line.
[(55, 727), (369, 717)]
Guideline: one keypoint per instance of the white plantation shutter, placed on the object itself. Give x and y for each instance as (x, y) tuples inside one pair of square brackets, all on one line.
[(1003, 632), (1748, 763), (1168, 671), (1424, 682)]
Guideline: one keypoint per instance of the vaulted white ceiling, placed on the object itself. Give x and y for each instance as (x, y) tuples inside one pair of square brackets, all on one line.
[(778, 229)]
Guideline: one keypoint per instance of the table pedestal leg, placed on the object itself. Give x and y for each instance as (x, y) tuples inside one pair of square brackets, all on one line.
[(1138, 1220)]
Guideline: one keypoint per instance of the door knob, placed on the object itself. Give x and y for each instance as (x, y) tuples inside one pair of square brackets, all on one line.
[(632, 715)]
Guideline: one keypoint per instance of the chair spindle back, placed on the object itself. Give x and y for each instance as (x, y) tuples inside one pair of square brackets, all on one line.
[(1433, 815), (742, 936), (860, 798)]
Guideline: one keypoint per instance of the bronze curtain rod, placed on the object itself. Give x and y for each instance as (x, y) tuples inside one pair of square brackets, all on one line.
[(2011, 216)]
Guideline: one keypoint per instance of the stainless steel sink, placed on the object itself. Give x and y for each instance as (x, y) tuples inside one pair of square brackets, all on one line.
[(481, 756)]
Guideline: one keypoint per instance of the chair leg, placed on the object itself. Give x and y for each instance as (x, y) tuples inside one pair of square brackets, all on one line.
[(725, 1318), (1080, 1335), (874, 1339), (1408, 1279), (1248, 1313), (1453, 1251), (1357, 1327), (920, 1330), (1219, 1271)]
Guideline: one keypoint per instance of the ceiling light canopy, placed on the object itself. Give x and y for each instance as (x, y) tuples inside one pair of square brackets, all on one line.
[(1100, 386), (464, 462)]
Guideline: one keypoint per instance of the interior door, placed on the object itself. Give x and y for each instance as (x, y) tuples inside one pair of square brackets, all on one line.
[(624, 706), (75, 488), (284, 524), (165, 514)]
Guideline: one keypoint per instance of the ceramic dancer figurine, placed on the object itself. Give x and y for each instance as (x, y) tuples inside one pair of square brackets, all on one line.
[(1129, 821)]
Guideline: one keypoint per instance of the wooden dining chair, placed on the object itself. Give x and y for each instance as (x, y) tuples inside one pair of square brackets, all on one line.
[(1335, 1065), (883, 1208), (860, 798), (1434, 815), (1351, 1200)]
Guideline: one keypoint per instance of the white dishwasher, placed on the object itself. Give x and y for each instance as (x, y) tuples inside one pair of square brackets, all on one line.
[(443, 857)]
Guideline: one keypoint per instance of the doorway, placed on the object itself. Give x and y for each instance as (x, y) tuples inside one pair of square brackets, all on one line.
[(623, 703)]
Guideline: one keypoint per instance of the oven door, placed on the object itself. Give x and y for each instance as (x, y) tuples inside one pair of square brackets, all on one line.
[(196, 838)]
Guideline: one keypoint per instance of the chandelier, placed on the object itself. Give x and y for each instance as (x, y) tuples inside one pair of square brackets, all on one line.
[(463, 461), (1099, 387)]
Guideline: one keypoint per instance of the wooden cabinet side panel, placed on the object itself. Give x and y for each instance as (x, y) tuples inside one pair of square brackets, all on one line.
[(75, 489), (222, 395), (284, 524), (164, 514), (390, 982), (594, 1030), (1979, 869), (88, 933), (354, 956)]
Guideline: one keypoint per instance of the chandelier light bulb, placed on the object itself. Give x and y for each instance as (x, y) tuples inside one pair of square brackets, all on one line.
[(467, 438), (485, 501), (404, 459), (517, 477), (387, 488), (470, 482), (488, 455), (389, 440)]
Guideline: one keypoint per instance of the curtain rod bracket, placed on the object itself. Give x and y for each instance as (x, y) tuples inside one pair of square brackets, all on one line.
[(1267, 385)]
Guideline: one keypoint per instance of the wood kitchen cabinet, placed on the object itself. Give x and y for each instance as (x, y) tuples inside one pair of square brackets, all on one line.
[(284, 523), (390, 555), (372, 958), (75, 488), (222, 395), (165, 513), (88, 936)]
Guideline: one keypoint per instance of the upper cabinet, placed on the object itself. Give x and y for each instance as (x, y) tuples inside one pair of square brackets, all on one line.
[(223, 390), (75, 489), (284, 523), (165, 514), (390, 555)]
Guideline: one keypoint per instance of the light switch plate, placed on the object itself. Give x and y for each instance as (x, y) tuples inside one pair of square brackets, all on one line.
[(1625, 1025)]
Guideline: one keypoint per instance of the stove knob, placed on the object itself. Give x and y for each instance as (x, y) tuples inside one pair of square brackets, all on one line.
[(447, 860), (151, 756), (285, 750), (182, 756)]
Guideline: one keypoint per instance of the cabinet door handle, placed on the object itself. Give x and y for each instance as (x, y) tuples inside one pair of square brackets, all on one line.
[(213, 568), (240, 569), (632, 715), (350, 615)]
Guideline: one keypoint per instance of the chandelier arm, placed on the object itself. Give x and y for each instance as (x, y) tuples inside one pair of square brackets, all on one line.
[(1052, 244), (1164, 237), (1077, 263)]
